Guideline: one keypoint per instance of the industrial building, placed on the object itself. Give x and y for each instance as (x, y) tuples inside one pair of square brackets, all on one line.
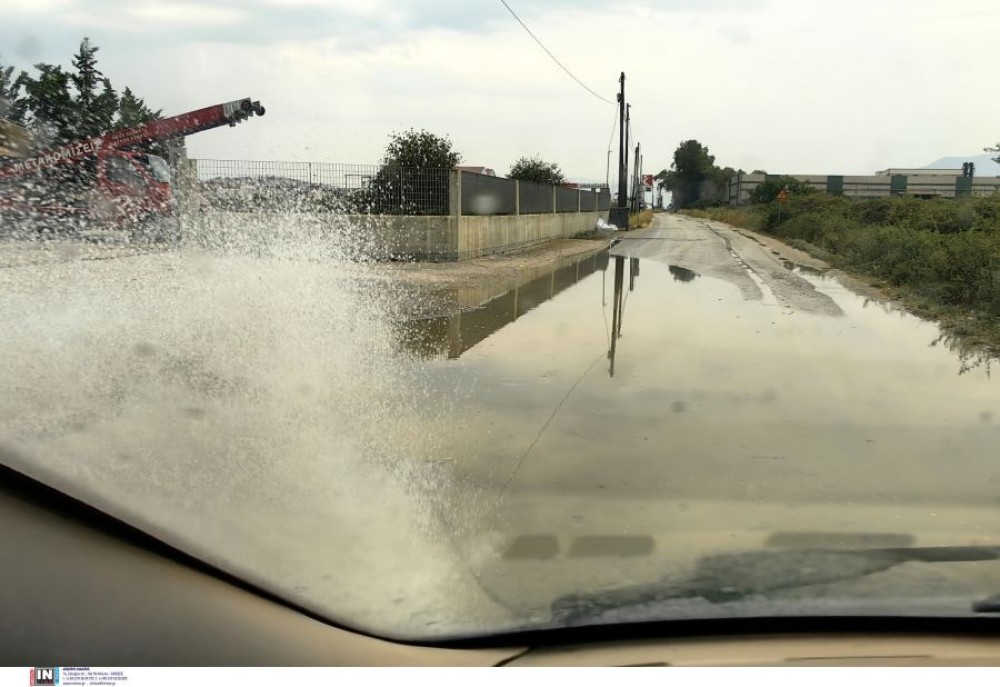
[(922, 183)]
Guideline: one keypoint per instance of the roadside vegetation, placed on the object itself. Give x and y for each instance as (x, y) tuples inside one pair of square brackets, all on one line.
[(58, 105), (940, 257), (536, 170), (640, 220)]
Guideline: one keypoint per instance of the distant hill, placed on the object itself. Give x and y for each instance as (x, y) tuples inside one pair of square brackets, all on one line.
[(985, 166)]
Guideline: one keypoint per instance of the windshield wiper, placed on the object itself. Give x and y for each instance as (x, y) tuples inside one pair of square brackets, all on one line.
[(730, 577)]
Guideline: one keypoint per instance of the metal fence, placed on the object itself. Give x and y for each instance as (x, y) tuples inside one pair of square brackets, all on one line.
[(246, 185), (535, 198), (487, 195), (568, 200), (252, 186)]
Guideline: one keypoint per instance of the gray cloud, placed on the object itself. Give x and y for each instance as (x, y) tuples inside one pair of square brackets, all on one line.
[(35, 35)]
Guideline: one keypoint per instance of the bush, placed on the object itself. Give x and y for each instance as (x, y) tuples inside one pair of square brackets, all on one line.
[(943, 252), (704, 203), (769, 190)]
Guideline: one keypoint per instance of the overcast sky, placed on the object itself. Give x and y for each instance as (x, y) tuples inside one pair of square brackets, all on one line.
[(796, 86)]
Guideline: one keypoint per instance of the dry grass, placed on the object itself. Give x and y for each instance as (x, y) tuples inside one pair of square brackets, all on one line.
[(738, 217), (639, 220)]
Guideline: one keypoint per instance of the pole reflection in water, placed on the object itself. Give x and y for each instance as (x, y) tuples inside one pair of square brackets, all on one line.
[(618, 304)]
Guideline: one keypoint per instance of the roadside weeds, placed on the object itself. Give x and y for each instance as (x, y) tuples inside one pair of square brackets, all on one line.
[(974, 332)]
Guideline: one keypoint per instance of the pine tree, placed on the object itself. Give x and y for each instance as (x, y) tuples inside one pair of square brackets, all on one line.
[(12, 104), (95, 106), (132, 110), (105, 108), (50, 106)]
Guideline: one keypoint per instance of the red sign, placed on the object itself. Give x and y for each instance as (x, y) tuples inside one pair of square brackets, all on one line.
[(647, 181)]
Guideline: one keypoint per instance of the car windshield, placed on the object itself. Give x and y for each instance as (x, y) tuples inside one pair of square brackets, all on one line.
[(448, 328)]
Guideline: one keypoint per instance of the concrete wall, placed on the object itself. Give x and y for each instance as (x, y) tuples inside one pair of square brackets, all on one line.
[(283, 233), (380, 237), (420, 237), (484, 235)]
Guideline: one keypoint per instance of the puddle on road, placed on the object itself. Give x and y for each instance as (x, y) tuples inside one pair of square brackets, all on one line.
[(700, 382), (802, 269), (451, 336)]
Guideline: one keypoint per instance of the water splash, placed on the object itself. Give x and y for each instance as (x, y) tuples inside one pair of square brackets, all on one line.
[(243, 397)]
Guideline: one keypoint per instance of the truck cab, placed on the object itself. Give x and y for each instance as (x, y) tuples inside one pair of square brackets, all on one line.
[(113, 194)]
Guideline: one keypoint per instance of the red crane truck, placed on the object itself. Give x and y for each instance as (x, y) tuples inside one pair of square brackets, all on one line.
[(102, 183)]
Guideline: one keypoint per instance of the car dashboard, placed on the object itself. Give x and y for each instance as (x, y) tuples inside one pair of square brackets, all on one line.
[(81, 588)]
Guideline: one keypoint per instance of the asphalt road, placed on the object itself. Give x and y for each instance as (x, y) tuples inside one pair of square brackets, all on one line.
[(260, 412), (715, 250), (735, 378)]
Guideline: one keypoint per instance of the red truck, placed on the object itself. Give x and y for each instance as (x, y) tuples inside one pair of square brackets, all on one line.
[(103, 183)]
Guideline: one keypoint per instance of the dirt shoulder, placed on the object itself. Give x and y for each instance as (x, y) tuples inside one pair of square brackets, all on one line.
[(783, 251), (491, 270), (431, 290)]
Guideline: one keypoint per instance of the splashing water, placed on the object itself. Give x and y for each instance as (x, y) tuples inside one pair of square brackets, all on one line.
[(242, 398)]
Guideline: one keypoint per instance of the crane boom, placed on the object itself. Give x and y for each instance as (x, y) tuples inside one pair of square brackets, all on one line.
[(231, 113)]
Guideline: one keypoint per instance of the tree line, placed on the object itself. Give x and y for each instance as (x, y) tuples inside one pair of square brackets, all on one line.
[(694, 179), (58, 105), (413, 174), (697, 182), (421, 149)]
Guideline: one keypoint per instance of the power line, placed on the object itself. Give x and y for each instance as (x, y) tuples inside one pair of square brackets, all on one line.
[(607, 174), (554, 58), (614, 124)]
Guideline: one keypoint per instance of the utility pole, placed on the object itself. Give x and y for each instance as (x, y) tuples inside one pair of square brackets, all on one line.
[(622, 170), (636, 180), (626, 170), (642, 185)]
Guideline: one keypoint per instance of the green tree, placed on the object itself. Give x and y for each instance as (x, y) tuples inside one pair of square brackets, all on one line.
[(12, 106), (691, 168), (993, 149), (413, 176), (536, 170), (132, 111), (417, 149), (49, 105), (769, 190), (59, 106), (96, 100)]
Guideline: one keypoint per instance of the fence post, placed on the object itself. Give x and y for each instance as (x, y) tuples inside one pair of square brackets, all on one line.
[(555, 207), (517, 197), (455, 193)]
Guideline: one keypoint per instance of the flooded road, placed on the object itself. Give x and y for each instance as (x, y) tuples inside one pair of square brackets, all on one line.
[(732, 377), (604, 422), (743, 400)]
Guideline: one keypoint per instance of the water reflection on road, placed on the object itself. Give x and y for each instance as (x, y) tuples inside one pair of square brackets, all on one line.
[(450, 337), (791, 404)]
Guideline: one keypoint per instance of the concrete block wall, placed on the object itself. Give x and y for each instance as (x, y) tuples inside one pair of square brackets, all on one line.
[(485, 235)]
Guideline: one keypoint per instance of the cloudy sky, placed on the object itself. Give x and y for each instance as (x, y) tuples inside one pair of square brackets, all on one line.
[(797, 86)]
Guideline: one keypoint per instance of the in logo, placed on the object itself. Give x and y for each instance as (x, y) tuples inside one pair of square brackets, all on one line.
[(44, 676)]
